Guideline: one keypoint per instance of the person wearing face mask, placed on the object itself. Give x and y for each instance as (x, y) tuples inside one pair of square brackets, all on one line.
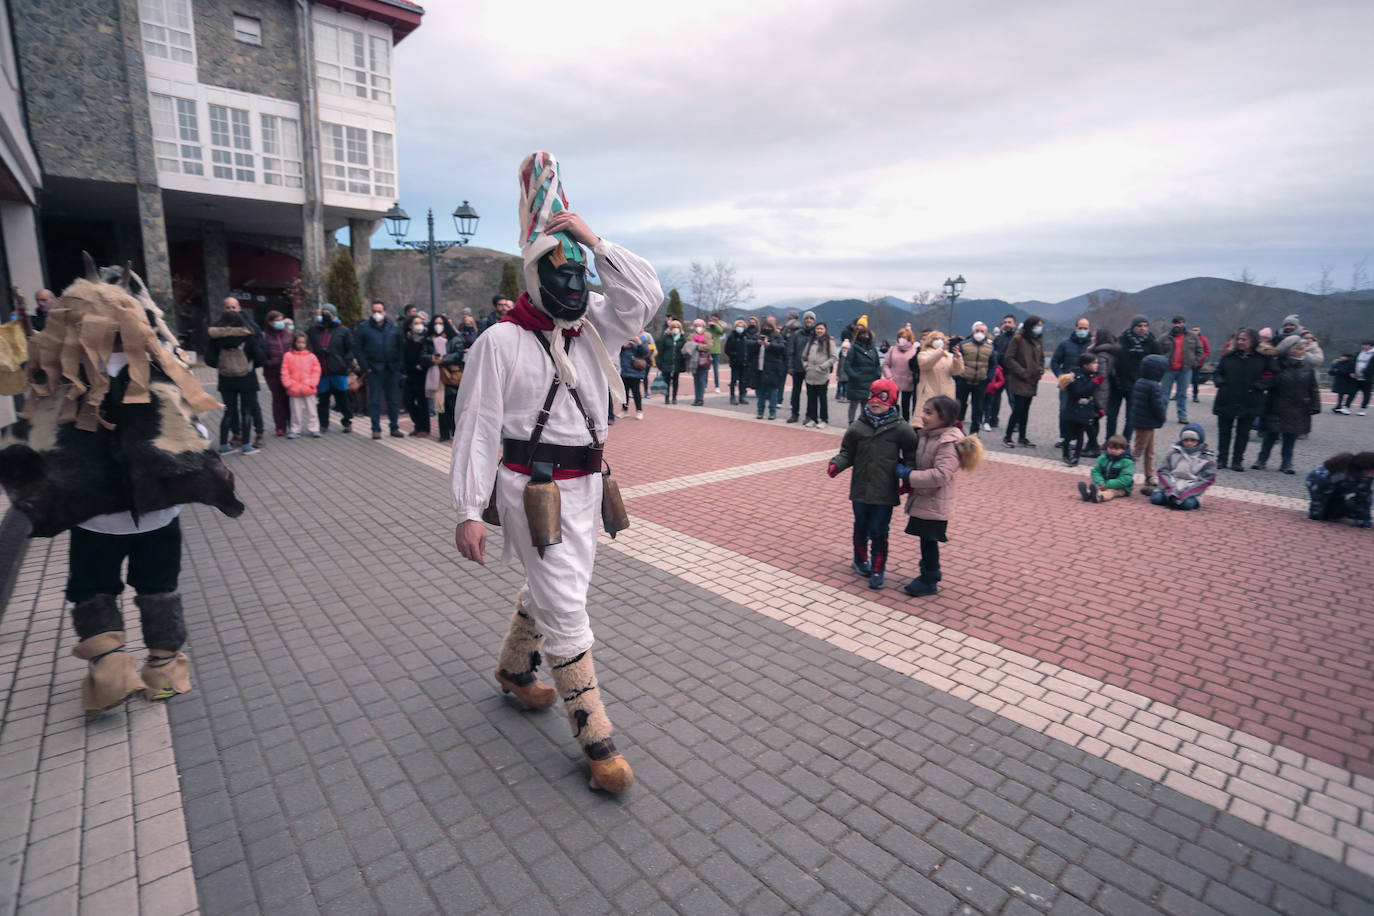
[(1183, 349), (1137, 342), (897, 367), (940, 366), (768, 367), (332, 344), (979, 361), (1000, 341), (1106, 349), (531, 418), (380, 359), (1023, 366), (417, 357), (670, 359), (863, 366), (440, 332), (1065, 360), (276, 344), (736, 349)]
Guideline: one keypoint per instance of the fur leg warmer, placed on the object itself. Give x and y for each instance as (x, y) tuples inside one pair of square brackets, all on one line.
[(518, 660), (575, 679), (112, 676), (167, 671)]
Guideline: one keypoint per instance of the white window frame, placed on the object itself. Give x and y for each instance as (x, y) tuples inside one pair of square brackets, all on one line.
[(231, 144), (352, 63), (168, 30), (281, 151), (176, 134), (383, 164), (355, 160), (248, 29)]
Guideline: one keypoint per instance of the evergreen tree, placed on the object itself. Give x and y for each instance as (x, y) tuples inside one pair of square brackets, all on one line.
[(510, 282), (341, 288), (674, 305)]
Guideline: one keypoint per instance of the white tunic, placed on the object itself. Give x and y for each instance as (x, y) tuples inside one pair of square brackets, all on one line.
[(505, 381)]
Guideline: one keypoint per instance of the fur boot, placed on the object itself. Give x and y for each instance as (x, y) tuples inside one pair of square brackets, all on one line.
[(112, 677), (575, 679), (518, 661), (167, 671)]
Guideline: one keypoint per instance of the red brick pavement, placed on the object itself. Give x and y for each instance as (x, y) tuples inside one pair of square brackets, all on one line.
[(1244, 614)]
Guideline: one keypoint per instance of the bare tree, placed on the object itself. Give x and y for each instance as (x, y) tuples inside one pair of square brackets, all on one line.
[(1246, 276), (717, 288), (921, 298), (1359, 275), (1324, 286)]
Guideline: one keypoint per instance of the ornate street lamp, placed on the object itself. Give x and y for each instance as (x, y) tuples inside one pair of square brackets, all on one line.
[(953, 290), (464, 220)]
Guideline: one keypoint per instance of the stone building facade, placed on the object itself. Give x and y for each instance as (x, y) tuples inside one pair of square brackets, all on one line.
[(217, 145)]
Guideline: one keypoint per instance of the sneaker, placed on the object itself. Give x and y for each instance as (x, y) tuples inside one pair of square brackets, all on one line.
[(258, 442), (316, 434), (919, 588), (987, 426), (792, 419), (1058, 443), (773, 416), (759, 417), (227, 449), (1025, 443), (376, 434), (875, 581), (1083, 491), (235, 441), (1361, 411), (1182, 421), (250, 449), (293, 435), (639, 415), (443, 440), (281, 432), (1008, 443), (717, 389), (1238, 466), (1257, 466), (1286, 469), (864, 569), (397, 434)]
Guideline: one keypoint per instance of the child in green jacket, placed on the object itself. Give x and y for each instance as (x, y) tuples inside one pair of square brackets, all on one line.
[(873, 445), (1113, 474)]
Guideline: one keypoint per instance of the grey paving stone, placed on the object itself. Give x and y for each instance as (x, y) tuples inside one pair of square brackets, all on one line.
[(969, 886)]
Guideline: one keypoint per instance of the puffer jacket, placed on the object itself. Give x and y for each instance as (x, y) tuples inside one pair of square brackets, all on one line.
[(863, 368), (628, 354), (938, 369), (337, 357), (1081, 405), (736, 347), (1106, 354), (1187, 472), (979, 360), (932, 477), (1114, 473), (670, 360), (874, 453), (895, 364), (796, 347), (1242, 378), (1337, 494), (1023, 365), (818, 359), (1293, 399), (1065, 358), (772, 373), (1148, 406), (300, 373)]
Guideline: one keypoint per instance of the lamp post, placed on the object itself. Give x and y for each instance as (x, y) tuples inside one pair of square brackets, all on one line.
[(953, 289), (464, 220)]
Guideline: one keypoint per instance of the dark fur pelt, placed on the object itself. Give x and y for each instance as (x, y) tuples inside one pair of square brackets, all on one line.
[(152, 457)]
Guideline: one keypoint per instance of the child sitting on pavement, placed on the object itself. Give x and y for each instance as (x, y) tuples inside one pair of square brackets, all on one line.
[(942, 449), (1113, 474), (1342, 488), (1188, 469), (873, 445)]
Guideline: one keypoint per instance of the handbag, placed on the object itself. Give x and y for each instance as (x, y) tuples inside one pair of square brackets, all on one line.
[(450, 376), (355, 382), (638, 364), (997, 381)]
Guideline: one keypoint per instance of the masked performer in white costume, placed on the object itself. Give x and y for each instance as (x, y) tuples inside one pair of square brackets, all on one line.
[(531, 418)]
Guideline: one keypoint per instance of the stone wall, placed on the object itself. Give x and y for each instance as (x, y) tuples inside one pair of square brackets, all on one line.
[(271, 70), (72, 56)]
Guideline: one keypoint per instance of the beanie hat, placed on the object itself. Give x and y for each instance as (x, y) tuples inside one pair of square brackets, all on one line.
[(809, 314), (329, 307), (1267, 332), (862, 322), (1139, 319), (1291, 319), (1285, 346), (885, 390)]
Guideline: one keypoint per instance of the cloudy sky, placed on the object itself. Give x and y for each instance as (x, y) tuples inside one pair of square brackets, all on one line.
[(878, 146)]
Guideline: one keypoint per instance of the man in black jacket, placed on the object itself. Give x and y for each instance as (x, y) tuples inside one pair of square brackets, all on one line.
[(796, 349), (1005, 332), (1065, 361), (1136, 344), (377, 345), (736, 347), (331, 341)]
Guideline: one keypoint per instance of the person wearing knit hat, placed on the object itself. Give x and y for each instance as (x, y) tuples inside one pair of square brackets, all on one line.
[(874, 445), (1137, 342), (532, 410), (797, 343), (1290, 325), (1188, 470), (1292, 402)]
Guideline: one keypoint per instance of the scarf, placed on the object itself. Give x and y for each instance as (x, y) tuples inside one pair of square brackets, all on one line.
[(879, 420), (526, 316)]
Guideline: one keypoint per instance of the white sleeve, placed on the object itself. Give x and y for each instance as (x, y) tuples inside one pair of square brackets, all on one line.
[(478, 416), (631, 292)]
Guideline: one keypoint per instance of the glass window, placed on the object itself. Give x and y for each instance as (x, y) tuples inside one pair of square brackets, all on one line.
[(383, 165), (248, 29), (381, 68), (349, 63), (356, 162), (231, 142), (176, 135), (281, 152), (167, 32)]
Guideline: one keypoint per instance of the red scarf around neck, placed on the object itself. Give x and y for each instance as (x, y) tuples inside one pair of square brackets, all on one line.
[(527, 316)]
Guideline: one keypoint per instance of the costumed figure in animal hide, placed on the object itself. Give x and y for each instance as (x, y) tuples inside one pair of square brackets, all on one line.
[(109, 447), (531, 421)]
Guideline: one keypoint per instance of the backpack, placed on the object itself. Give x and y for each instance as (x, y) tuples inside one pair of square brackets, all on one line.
[(234, 362)]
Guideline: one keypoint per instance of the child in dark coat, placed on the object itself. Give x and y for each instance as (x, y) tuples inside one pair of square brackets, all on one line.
[(1343, 384), (1147, 414), (873, 445), (1343, 487), (1078, 417)]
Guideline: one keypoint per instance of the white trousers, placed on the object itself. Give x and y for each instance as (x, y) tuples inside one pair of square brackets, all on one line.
[(304, 408), (555, 589)]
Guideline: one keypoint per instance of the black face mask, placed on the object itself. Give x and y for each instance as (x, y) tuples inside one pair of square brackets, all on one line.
[(563, 290)]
